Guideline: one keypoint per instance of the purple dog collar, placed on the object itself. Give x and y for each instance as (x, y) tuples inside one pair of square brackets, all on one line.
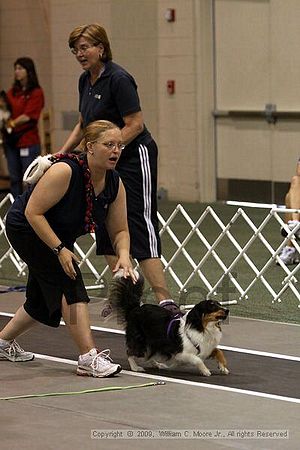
[(175, 319)]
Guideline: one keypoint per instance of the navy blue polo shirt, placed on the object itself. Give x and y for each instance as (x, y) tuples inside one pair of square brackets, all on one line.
[(112, 97)]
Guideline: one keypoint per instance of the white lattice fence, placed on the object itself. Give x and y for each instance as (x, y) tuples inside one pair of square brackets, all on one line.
[(206, 252), (8, 252)]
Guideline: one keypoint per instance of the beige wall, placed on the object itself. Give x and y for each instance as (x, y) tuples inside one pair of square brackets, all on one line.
[(25, 31), (65, 15), (153, 50), (255, 46), (187, 163), (257, 62)]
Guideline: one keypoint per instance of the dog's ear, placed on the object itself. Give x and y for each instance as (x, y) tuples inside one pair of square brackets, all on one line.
[(195, 316)]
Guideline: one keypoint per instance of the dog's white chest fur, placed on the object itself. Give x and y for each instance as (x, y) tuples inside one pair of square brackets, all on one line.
[(201, 343)]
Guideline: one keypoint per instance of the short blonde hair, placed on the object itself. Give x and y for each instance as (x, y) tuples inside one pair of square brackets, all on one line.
[(95, 34)]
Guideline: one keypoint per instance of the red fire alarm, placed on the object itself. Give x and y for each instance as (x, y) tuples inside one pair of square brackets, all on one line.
[(170, 15), (171, 87)]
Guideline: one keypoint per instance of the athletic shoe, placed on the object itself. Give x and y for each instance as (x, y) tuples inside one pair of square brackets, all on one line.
[(171, 306), (289, 256), (97, 364), (292, 224), (106, 311), (12, 351)]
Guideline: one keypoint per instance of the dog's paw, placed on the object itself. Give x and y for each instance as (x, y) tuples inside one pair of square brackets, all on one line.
[(134, 366), (159, 365), (206, 373), (138, 369), (224, 370)]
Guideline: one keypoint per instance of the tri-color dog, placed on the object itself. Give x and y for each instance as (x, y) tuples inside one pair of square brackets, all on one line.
[(154, 334)]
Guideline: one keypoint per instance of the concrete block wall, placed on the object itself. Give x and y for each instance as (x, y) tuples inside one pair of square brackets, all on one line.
[(25, 31), (153, 50), (185, 120)]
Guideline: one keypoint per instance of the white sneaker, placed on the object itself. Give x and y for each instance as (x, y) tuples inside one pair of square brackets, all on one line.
[(12, 351), (289, 256), (292, 224), (97, 364), (106, 312)]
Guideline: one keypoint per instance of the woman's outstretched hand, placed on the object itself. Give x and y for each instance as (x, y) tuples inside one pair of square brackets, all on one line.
[(124, 265)]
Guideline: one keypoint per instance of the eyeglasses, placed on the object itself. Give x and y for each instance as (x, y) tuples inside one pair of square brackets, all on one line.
[(113, 145), (81, 49)]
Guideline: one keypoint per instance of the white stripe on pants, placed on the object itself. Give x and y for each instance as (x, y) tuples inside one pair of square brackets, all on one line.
[(147, 191)]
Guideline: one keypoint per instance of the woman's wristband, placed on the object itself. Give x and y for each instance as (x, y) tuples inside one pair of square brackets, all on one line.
[(57, 250)]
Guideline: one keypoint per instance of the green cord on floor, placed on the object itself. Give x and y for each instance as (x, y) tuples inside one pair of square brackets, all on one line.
[(88, 391)]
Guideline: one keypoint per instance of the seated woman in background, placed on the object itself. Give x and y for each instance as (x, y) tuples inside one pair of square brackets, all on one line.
[(22, 141), (289, 255)]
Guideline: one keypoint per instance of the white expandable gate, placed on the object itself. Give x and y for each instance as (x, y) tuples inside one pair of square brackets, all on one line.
[(9, 254), (195, 240)]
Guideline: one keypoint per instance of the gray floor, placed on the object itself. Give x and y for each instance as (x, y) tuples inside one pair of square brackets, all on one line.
[(180, 405)]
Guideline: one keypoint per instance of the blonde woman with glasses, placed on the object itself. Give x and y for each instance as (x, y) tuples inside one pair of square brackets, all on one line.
[(76, 195)]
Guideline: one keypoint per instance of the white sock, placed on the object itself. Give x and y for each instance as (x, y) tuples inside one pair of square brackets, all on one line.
[(93, 352), (162, 302), (4, 342)]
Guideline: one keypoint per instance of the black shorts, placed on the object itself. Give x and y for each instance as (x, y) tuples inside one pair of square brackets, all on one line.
[(47, 281), (138, 170)]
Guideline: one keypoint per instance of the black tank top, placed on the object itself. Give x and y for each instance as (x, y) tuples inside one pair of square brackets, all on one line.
[(66, 218)]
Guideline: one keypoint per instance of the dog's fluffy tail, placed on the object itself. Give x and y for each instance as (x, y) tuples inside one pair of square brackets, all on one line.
[(124, 295)]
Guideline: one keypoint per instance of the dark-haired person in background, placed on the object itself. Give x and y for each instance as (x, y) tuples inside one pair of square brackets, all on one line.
[(22, 141)]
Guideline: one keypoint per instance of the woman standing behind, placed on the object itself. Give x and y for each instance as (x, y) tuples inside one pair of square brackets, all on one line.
[(26, 100), (107, 91)]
